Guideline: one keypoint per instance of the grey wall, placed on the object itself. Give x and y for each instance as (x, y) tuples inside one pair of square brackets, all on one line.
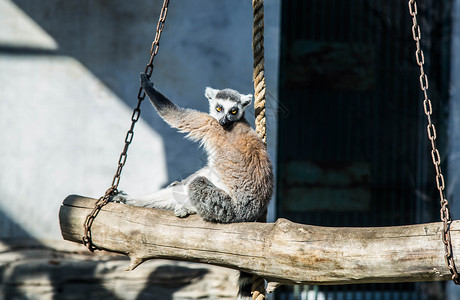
[(69, 81)]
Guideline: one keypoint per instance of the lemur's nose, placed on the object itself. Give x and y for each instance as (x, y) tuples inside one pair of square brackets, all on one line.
[(224, 121)]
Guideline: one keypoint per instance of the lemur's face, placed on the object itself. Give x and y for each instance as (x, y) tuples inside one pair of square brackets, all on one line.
[(227, 106)]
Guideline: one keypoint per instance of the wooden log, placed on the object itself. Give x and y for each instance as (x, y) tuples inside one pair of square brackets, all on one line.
[(283, 252)]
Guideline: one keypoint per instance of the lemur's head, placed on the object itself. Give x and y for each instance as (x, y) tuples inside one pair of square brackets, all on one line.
[(227, 106)]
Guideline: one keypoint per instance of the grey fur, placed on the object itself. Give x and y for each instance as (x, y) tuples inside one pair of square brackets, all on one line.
[(228, 94), (245, 285), (214, 205)]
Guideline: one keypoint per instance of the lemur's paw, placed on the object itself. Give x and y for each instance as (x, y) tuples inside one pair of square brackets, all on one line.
[(180, 211), (145, 81), (184, 210), (121, 197)]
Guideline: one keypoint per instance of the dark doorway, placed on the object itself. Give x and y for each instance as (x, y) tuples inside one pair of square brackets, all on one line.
[(353, 148)]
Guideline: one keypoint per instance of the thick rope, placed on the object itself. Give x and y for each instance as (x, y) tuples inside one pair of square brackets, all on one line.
[(258, 283), (259, 70)]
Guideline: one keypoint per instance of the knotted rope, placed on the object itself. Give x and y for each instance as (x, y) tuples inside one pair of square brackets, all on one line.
[(258, 283), (259, 70)]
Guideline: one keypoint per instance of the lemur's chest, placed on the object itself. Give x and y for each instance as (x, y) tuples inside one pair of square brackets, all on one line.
[(237, 157), (235, 153)]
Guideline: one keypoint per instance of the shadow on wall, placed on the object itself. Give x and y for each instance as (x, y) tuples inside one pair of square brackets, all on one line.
[(29, 268), (112, 39), (165, 280)]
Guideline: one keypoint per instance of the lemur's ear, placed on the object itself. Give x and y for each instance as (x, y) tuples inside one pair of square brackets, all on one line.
[(246, 99), (210, 93)]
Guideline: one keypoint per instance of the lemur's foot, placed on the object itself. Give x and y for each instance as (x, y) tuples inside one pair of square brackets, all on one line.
[(121, 197), (184, 210), (180, 211), (124, 198)]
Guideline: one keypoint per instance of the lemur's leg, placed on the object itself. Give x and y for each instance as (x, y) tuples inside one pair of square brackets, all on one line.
[(162, 199), (212, 203), (174, 197)]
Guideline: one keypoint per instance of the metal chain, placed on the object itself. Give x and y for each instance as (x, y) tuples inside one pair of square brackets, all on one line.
[(87, 238), (445, 211)]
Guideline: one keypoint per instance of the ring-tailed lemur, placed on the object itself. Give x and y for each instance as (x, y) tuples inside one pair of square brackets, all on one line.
[(237, 183)]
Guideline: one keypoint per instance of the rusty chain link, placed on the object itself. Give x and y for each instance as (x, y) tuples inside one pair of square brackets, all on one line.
[(87, 238), (436, 158)]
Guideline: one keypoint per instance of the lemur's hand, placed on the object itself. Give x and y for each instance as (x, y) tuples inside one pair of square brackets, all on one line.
[(145, 82), (161, 103)]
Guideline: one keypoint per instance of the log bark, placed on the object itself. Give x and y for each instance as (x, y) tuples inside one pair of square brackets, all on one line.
[(283, 252)]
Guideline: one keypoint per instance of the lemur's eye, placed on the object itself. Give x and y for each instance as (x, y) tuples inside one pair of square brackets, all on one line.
[(234, 111), (219, 108)]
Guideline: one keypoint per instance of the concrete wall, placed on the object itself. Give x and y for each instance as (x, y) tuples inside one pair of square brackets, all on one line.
[(69, 81)]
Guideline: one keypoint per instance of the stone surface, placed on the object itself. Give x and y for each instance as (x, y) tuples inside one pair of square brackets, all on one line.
[(32, 270)]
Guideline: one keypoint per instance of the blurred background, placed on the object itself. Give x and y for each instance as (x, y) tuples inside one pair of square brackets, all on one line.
[(346, 127)]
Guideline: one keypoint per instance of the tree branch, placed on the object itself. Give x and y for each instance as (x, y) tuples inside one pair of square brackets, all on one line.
[(283, 252)]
